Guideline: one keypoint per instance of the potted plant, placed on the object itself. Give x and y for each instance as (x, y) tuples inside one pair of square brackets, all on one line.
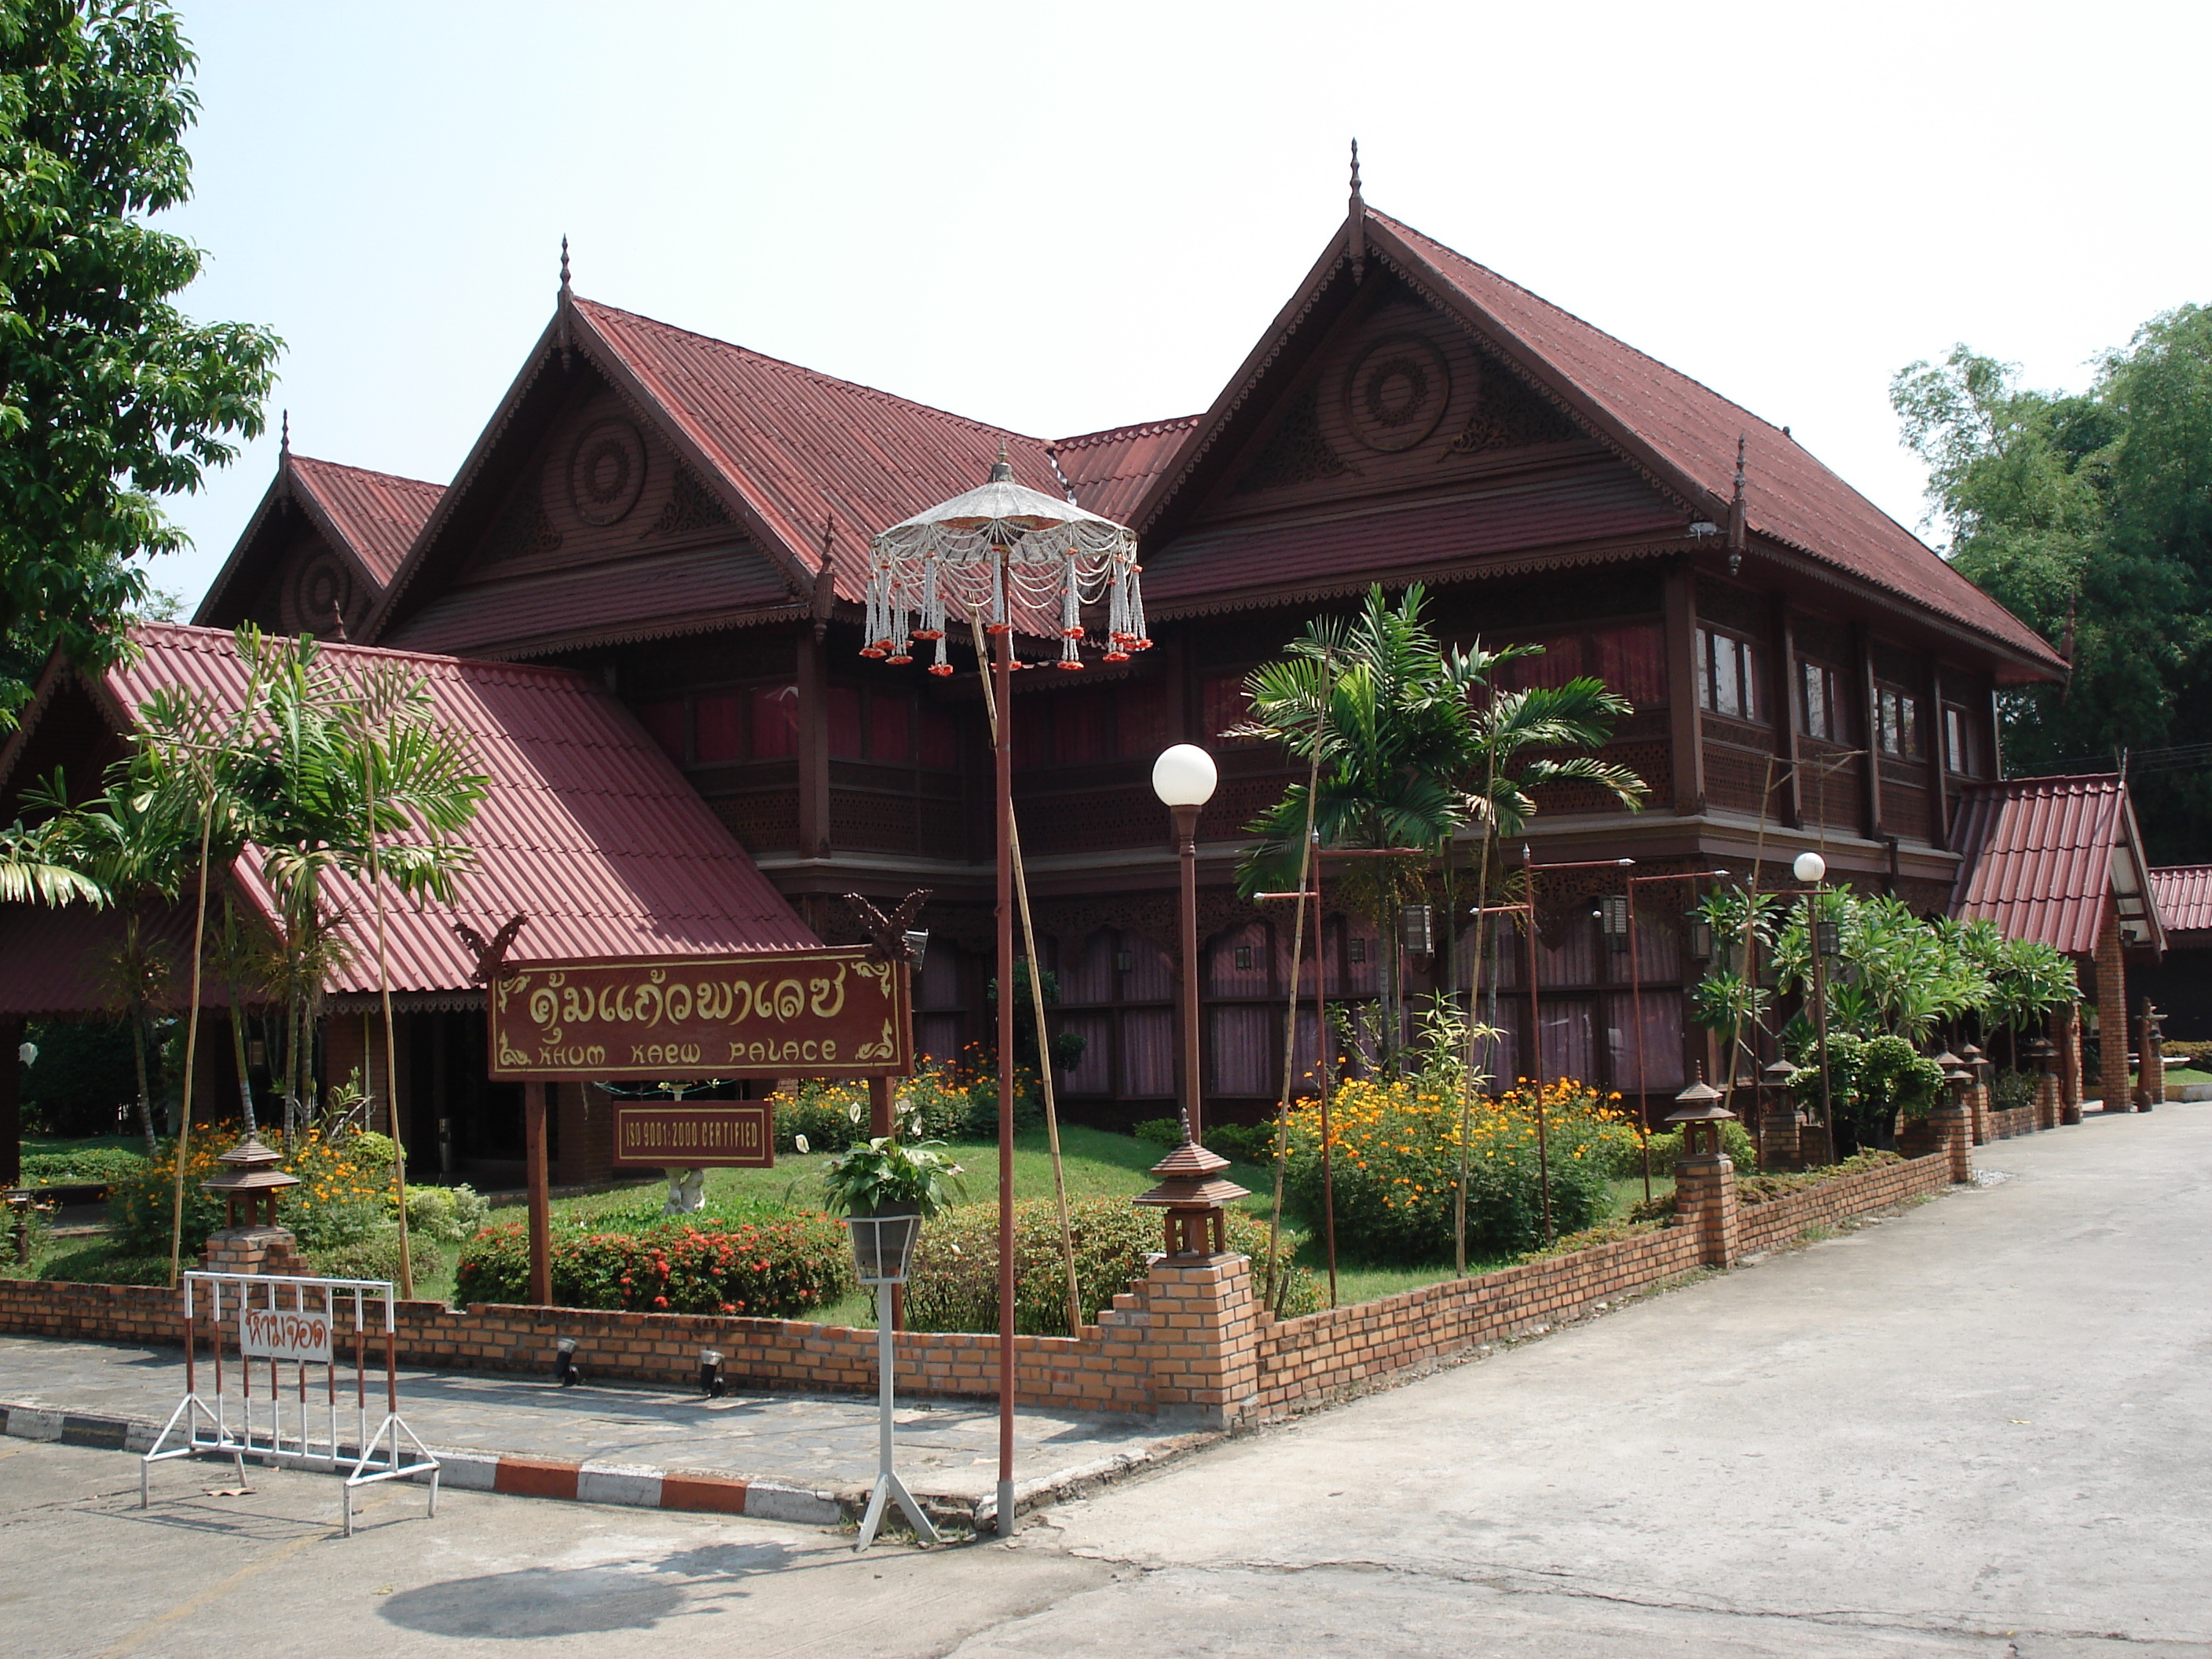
[(886, 1190)]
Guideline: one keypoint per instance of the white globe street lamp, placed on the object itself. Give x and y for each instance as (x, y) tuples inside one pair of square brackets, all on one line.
[(1183, 777), (1811, 868)]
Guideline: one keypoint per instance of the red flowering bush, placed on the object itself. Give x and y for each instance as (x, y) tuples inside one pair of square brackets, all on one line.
[(767, 1269)]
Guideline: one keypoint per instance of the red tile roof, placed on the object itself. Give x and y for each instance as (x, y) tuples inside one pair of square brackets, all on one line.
[(588, 828), (2044, 857), (1112, 469), (378, 514), (792, 443), (649, 597), (1692, 430), (2184, 892)]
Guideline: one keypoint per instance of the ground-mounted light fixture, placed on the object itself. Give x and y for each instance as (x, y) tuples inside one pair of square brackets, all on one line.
[(711, 1384), (564, 1362), (1700, 1110)]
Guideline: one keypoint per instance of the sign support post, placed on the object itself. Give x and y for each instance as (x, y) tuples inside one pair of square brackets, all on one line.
[(534, 1103)]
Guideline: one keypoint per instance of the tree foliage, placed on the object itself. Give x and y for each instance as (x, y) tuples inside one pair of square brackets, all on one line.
[(109, 398), (2095, 505)]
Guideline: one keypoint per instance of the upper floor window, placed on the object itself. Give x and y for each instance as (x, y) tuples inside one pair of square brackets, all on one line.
[(1728, 675), (1960, 753), (1897, 723), (1821, 699)]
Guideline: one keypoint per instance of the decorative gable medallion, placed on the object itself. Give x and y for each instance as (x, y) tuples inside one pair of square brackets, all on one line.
[(606, 471), (322, 592), (1396, 392)]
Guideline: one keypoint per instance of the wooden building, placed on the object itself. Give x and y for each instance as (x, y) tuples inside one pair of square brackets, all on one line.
[(685, 522)]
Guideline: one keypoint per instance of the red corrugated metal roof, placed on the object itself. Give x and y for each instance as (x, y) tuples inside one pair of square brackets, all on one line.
[(1790, 495), (53, 962), (794, 443), (2184, 892), (2037, 857), (588, 828), (649, 597), (1111, 470), (1340, 551), (377, 513)]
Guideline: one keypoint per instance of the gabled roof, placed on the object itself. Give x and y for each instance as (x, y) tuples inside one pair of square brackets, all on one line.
[(1681, 434), (1111, 470), (2044, 858), (2184, 893), (588, 828), (370, 518)]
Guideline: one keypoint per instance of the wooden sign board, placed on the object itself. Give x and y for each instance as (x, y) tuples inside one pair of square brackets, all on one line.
[(826, 1012), (732, 1135)]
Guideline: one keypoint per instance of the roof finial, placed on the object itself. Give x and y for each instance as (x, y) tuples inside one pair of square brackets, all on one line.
[(564, 262), (1737, 516), (1002, 469), (284, 438), (563, 302), (1355, 222), (825, 578)]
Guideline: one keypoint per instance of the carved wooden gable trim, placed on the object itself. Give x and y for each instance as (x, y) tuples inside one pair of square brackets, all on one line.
[(1397, 396)]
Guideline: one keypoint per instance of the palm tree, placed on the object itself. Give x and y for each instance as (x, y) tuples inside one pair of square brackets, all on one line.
[(1388, 714), (130, 842)]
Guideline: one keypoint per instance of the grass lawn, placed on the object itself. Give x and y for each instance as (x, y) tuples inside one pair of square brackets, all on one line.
[(2178, 1075)]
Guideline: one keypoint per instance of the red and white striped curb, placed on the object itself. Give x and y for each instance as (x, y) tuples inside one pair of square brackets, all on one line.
[(635, 1485)]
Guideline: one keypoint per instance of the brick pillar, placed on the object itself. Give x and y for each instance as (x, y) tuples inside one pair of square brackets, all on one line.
[(1954, 1137), (2068, 1034), (2048, 1109), (1704, 1197), (255, 1250), (2111, 1015), (1201, 1337)]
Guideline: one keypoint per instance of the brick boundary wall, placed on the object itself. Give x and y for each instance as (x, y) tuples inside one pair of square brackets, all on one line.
[(2014, 1120), (1185, 1343)]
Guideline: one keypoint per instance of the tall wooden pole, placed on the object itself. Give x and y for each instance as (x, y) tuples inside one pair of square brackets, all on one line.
[(390, 1045), (1186, 828), (541, 1210), (192, 1038), (1002, 676)]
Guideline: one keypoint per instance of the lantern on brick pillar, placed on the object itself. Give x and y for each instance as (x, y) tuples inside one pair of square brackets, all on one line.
[(1700, 1110), (1192, 1193)]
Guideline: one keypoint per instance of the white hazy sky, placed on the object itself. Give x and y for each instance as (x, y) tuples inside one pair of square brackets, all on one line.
[(1058, 218)]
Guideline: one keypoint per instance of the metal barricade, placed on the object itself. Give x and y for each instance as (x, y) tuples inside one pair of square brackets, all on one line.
[(282, 1320)]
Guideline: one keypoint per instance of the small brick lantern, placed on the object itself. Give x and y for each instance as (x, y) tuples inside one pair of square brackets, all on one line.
[(1192, 1193), (1700, 1106), (250, 1181)]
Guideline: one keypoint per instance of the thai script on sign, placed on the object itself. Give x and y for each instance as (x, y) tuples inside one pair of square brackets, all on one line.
[(284, 1334), (658, 1018)]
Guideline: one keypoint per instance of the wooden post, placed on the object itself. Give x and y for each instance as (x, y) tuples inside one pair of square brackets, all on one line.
[(1783, 691), (535, 1098), (12, 1103), (1870, 714), (1687, 747), (1931, 737)]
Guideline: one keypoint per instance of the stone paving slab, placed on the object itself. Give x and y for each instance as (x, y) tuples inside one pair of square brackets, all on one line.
[(947, 1451)]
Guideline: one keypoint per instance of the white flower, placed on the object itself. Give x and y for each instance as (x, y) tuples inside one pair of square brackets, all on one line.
[(799, 1141), (853, 1114)]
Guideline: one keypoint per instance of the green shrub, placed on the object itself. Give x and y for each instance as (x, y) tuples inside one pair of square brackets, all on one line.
[(767, 1270), (1766, 1189), (451, 1215), (2010, 1091), (81, 1166), (953, 1285), (377, 1256), (1396, 1164), (936, 1103), (1248, 1143), (344, 1192), (1666, 1151)]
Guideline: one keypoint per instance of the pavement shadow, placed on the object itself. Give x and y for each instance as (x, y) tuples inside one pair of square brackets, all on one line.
[(542, 1601)]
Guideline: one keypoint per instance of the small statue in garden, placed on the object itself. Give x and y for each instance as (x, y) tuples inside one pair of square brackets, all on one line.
[(687, 1192)]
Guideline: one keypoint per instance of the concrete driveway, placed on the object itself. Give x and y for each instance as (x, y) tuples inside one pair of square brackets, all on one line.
[(1979, 1428)]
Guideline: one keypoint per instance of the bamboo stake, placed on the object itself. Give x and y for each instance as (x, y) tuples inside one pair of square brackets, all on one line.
[(192, 1039), (1473, 1005), (391, 1046), (1306, 865), (1036, 1005)]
